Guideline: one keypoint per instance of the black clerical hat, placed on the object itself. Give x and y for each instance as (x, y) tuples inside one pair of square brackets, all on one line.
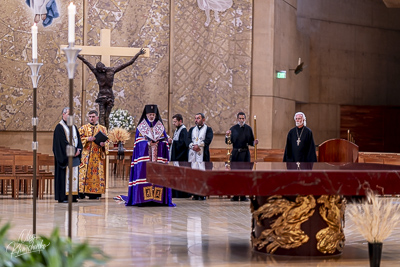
[(150, 109)]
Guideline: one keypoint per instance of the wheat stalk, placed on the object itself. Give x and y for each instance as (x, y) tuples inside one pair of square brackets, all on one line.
[(375, 218), (119, 135)]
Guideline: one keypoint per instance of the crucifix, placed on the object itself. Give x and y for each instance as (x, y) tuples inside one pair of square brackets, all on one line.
[(299, 136), (104, 73)]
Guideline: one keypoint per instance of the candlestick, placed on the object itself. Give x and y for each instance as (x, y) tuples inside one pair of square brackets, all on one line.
[(71, 23), (35, 67), (71, 53), (255, 137), (34, 41)]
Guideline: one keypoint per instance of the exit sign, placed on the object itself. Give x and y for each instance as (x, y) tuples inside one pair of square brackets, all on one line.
[(281, 74)]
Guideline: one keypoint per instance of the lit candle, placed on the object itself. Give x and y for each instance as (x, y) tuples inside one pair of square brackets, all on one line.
[(71, 23), (34, 41)]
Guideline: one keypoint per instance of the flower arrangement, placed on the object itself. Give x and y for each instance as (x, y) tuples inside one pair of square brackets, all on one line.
[(122, 119), (118, 134)]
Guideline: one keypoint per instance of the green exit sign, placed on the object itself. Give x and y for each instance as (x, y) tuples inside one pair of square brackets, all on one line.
[(281, 74)]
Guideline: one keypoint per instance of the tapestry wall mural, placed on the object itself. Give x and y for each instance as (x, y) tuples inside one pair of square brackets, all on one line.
[(16, 51), (211, 66), (137, 24)]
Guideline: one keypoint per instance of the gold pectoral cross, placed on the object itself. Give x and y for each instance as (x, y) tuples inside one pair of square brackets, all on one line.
[(298, 141)]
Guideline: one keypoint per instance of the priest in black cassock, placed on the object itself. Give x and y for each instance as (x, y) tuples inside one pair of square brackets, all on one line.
[(61, 172), (179, 149), (179, 142), (300, 146), (241, 136)]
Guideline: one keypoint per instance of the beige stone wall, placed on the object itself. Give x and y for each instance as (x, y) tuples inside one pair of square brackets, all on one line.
[(23, 140), (351, 56), (354, 59), (290, 45), (263, 70)]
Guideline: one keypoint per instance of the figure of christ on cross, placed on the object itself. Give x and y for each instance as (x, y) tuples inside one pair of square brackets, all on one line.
[(105, 79)]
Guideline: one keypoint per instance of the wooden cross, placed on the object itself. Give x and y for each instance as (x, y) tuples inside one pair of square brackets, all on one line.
[(106, 51)]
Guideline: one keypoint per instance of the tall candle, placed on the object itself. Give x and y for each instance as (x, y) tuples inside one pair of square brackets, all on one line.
[(34, 41), (71, 23)]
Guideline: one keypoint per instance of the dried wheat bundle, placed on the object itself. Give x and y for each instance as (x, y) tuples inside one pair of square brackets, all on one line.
[(119, 135), (375, 218)]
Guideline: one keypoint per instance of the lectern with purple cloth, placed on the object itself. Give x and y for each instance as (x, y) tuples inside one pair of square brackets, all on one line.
[(297, 208)]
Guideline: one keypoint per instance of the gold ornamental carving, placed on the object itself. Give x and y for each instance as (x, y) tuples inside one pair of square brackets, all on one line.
[(285, 231), (332, 211)]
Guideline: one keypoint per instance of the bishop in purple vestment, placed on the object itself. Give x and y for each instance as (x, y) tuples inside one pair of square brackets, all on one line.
[(151, 144)]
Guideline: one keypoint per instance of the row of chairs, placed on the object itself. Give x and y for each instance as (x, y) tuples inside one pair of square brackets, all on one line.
[(16, 172)]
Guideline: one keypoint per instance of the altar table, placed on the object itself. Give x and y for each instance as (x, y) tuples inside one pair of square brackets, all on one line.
[(297, 208)]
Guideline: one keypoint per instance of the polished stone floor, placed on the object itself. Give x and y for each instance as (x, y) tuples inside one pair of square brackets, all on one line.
[(215, 232)]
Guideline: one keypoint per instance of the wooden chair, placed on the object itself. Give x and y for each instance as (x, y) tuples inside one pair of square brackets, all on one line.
[(24, 169), (45, 163), (9, 161), (25, 177), (338, 150)]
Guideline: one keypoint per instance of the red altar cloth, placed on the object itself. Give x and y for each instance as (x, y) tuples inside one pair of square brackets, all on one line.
[(276, 178)]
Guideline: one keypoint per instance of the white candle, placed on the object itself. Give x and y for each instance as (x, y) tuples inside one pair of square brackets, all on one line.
[(34, 41), (71, 23)]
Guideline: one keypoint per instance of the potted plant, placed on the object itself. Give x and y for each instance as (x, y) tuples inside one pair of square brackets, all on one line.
[(375, 218), (55, 251)]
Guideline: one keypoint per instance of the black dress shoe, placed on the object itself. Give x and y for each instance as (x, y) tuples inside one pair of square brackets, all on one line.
[(202, 198), (235, 198), (195, 197), (66, 201), (243, 198)]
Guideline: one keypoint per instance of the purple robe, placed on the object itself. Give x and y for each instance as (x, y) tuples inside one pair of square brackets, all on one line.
[(140, 192)]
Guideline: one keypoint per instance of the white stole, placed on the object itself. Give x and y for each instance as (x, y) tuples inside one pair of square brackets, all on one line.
[(199, 166), (75, 170), (198, 137)]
